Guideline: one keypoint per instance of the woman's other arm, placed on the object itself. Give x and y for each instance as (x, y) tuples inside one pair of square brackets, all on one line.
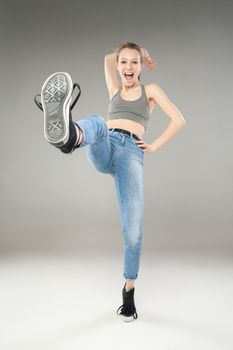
[(177, 120)]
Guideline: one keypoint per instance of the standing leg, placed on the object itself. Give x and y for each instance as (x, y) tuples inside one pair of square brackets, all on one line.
[(129, 183), (128, 166)]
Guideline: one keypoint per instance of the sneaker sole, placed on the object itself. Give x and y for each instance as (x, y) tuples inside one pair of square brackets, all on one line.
[(127, 318), (56, 98)]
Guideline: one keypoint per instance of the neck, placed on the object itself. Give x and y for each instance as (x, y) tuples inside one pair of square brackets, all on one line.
[(126, 88)]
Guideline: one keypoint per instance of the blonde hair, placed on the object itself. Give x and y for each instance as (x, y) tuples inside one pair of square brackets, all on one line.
[(128, 45)]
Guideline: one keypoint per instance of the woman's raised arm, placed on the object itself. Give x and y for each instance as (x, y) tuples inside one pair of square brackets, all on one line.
[(110, 62)]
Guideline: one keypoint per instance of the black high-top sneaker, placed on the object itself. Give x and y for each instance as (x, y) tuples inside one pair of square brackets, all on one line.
[(56, 104), (128, 311)]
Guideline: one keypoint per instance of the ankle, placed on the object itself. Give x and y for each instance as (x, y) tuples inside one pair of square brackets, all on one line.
[(79, 134), (129, 286)]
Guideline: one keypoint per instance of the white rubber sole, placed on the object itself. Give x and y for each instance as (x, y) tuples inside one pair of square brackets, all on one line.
[(56, 95), (127, 318)]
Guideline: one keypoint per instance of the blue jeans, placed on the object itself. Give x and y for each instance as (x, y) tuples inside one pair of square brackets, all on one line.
[(118, 154)]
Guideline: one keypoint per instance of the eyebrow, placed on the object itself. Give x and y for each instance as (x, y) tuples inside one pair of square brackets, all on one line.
[(123, 58)]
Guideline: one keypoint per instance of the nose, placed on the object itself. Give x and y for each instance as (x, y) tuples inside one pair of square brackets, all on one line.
[(128, 65)]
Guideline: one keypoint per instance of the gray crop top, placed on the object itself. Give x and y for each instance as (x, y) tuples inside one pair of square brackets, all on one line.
[(137, 110)]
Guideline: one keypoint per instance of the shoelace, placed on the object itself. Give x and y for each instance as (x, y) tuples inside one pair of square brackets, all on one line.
[(128, 306), (39, 104), (127, 311)]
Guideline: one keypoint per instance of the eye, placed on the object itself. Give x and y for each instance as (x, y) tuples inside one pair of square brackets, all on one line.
[(122, 61), (135, 62)]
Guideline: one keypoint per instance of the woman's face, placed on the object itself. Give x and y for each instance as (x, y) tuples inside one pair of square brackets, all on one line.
[(129, 66)]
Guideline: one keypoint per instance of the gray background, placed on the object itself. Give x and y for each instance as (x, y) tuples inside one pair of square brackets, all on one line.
[(53, 202)]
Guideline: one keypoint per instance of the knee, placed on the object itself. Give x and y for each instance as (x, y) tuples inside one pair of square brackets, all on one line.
[(97, 118), (102, 123)]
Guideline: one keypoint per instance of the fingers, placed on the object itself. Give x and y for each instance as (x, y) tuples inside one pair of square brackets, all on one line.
[(151, 63), (146, 56), (141, 144), (146, 52)]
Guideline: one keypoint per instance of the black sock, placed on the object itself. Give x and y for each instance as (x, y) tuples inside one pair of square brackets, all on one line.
[(70, 144)]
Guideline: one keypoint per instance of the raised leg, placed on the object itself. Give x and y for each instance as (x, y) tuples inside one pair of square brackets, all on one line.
[(96, 138)]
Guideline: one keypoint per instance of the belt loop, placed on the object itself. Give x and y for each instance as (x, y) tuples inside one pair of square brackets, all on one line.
[(131, 135), (122, 138)]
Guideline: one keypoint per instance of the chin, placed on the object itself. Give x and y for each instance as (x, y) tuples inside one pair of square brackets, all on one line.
[(127, 83)]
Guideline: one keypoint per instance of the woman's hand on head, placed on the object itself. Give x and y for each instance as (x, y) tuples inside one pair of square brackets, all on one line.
[(147, 60)]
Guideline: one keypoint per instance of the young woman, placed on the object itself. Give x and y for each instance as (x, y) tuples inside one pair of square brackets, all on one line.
[(116, 146)]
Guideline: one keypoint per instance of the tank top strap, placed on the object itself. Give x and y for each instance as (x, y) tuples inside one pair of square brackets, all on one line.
[(143, 90)]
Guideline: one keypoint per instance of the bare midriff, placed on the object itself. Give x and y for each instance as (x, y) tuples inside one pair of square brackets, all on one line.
[(128, 125)]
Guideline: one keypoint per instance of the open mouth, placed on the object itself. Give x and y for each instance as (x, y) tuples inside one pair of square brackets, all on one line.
[(128, 76)]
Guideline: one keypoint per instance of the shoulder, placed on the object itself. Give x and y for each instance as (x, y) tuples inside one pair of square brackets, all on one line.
[(155, 92), (151, 89)]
